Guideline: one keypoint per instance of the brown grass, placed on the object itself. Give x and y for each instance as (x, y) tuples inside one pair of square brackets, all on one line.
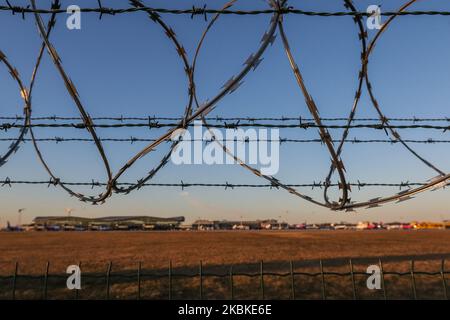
[(186, 249)]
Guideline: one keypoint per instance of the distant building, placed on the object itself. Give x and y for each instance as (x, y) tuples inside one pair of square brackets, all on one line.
[(428, 225), (365, 225), (57, 223), (204, 225), (238, 225)]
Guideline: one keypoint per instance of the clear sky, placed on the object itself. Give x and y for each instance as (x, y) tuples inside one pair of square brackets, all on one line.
[(125, 65)]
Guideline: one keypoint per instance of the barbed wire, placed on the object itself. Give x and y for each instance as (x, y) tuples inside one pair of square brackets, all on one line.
[(122, 118), (200, 111), (7, 182), (281, 140), (204, 11), (344, 202), (156, 125)]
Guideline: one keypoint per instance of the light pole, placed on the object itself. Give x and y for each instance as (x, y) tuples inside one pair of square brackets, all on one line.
[(19, 222), (69, 211)]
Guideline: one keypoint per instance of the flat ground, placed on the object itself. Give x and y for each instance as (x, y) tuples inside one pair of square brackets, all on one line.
[(186, 249)]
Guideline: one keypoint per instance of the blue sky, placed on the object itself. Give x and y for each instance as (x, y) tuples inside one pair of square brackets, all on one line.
[(125, 65)]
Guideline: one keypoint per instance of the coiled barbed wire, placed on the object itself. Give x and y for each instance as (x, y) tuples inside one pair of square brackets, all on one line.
[(183, 123), (337, 164), (230, 86), (442, 177), (278, 8)]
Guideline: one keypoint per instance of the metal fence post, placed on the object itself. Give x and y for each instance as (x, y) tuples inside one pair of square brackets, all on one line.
[(413, 281), (139, 280), (170, 279), (46, 280), (201, 279), (292, 280), (231, 283), (324, 296), (16, 271), (444, 282), (382, 279), (261, 270), (108, 274), (352, 274)]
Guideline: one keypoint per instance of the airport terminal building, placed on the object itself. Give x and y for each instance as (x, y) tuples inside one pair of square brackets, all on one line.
[(68, 223)]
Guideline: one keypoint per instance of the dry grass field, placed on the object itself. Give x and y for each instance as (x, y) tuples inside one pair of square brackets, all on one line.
[(218, 251)]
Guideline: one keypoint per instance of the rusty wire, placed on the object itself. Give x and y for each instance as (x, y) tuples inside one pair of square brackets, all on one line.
[(278, 8)]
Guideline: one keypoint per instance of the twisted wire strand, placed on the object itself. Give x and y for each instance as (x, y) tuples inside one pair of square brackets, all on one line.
[(281, 140), (224, 125), (204, 11), (230, 86), (222, 119)]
